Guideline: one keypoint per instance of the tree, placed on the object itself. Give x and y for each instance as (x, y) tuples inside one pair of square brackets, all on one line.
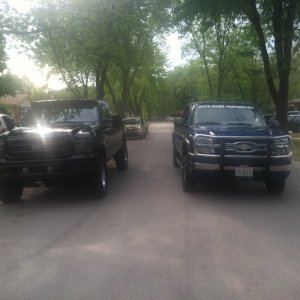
[(11, 85), (217, 46), (3, 21), (295, 80), (275, 23), (100, 43)]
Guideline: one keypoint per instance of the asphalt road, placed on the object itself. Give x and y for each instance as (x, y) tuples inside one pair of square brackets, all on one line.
[(149, 240)]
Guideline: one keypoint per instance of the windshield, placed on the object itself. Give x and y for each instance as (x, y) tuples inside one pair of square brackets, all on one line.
[(293, 113), (227, 114), (51, 115), (132, 121)]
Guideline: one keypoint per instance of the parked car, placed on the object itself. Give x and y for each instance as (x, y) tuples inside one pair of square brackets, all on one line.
[(61, 141), (134, 128), (294, 121), (230, 140), (269, 117), (6, 123)]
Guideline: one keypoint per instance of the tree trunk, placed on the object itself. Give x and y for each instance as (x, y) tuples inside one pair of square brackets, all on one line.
[(112, 93), (283, 26), (202, 53), (206, 66), (125, 93), (100, 73)]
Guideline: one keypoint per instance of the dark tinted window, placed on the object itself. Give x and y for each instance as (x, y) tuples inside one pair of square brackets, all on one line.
[(105, 110), (9, 122), (185, 114)]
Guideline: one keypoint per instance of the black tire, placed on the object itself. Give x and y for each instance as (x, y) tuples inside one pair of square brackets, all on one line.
[(188, 180), (275, 186), (175, 163), (99, 180), (10, 191), (121, 158)]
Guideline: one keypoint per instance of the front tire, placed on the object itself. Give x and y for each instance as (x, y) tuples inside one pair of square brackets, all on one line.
[(121, 158), (175, 163), (188, 180), (275, 186), (99, 179), (10, 191)]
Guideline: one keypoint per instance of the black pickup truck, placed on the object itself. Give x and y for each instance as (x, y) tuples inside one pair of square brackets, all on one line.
[(62, 141), (232, 141)]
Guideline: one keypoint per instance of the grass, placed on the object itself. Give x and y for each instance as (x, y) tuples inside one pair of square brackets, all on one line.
[(296, 150), (296, 146)]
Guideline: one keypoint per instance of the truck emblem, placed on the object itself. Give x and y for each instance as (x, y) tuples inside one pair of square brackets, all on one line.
[(244, 147)]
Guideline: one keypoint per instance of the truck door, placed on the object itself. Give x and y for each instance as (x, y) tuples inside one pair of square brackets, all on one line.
[(108, 130)]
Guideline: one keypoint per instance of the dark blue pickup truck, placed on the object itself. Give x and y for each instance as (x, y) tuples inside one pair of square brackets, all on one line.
[(230, 140)]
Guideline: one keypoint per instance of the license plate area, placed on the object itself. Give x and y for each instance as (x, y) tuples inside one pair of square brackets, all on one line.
[(244, 171)]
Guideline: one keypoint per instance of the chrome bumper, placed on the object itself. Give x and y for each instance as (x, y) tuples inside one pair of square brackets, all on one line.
[(216, 167)]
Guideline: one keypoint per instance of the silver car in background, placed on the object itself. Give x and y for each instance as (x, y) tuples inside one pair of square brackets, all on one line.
[(134, 128)]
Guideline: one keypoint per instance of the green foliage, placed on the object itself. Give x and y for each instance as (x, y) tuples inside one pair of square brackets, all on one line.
[(276, 25), (295, 78), (4, 109), (296, 148), (111, 49), (3, 20), (98, 43), (10, 85)]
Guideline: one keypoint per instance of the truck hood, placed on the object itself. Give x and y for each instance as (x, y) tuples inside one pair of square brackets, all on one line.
[(236, 130)]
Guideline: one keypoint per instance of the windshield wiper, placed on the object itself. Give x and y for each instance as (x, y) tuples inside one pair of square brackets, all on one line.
[(239, 123), (207, 123), (64, 122)]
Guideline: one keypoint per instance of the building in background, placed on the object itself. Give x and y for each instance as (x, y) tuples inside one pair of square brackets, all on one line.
[(17, 105)]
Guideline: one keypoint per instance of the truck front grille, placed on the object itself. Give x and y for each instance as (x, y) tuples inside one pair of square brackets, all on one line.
[(37, 148), (245, 147)]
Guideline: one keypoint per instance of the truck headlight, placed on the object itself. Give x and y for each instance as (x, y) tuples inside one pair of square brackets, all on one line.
[(83, 145), (205, 145), (281, 146)]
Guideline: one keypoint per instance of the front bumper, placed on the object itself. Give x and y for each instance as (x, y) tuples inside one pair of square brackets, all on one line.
[(263, 167), (48, 170), (133, 134)]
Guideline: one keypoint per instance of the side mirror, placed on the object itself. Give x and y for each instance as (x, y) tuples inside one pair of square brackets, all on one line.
[(10, 124), (116, 121), (178, 121), (273, 124)]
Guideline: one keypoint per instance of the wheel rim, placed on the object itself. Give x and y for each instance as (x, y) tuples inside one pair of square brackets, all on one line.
[(103, 177), (126, 156)]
